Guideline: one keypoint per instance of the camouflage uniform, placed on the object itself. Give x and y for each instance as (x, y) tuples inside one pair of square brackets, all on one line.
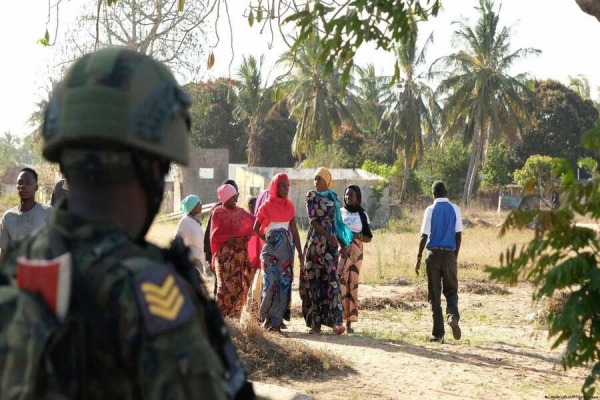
[(138, 325)]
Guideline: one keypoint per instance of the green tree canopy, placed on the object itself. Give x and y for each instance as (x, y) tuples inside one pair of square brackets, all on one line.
[(213, 124), (316, 98), (252, 104), (448, 163), (496, 168), (558, 122)]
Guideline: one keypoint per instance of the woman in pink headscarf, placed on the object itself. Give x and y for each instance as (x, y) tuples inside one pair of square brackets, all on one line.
[(230, 231)]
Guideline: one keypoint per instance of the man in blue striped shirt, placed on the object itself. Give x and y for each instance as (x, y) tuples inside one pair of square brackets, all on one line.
[(441, 233)]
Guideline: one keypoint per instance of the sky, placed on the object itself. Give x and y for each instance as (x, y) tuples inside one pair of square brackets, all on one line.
[(566, 36)]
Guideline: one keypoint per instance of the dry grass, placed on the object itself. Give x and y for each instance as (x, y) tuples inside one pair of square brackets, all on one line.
[(267, 355), (482, 288), (380, 303), (557, 302)]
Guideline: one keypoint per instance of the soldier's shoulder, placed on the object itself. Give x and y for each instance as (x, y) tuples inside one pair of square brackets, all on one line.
[(161, 295)]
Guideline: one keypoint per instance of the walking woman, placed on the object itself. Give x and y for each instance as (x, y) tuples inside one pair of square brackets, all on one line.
[(319, 280), (276, 226), (231, 229), (357, 220)]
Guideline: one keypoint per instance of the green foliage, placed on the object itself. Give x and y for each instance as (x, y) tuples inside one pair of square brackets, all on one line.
[(276, 143), (331, 155), (589, 164), (564, 256), (214, 126), (316, 97), (394, 175), (384, 170), (538, 173), (346, 27), (252, 104), (448, 163), (558, 122), (496, 168)]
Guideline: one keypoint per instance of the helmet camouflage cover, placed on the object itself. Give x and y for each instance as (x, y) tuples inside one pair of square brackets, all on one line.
[(118, 98)]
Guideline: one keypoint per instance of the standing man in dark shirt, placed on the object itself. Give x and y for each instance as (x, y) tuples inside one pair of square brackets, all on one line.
[(441, 233)]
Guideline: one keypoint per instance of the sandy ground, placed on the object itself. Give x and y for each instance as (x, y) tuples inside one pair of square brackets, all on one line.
[(501, 354)]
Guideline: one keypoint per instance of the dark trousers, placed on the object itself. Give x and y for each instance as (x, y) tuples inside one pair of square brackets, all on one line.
[(442, 277)]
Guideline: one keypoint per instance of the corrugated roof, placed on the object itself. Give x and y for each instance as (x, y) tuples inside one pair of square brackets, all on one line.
[(309, 173)]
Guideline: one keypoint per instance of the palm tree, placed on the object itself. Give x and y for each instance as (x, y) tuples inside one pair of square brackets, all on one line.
[(252, 105), (370, 91), (483, 99), (316, 99), (580, 84), (412, 107)]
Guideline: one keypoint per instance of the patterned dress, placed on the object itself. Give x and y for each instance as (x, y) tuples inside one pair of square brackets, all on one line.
[(349, 269), (319, 280), (277, 259), (234, 277)]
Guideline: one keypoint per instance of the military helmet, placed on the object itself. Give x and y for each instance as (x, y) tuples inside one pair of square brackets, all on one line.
[(118, 98)]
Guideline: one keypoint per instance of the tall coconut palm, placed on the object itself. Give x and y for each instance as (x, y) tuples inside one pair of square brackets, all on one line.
[(252, 105), (371, 91), (483, 100), (316, 98), (412, 107)]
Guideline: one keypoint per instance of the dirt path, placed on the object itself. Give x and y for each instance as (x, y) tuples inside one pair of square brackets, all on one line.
[(500, 355)]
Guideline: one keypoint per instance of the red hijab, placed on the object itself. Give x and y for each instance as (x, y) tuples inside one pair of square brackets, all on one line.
[(227, 223), (276, 209)]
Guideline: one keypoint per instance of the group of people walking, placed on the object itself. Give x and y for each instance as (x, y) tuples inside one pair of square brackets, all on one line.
[(257, 249)]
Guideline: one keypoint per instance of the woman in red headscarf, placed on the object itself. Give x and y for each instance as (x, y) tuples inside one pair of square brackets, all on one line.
[(230, 231), (276, 226)]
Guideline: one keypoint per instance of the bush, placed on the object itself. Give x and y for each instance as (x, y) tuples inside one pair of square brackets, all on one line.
[(448, 163), (330, 155), (496, 168)]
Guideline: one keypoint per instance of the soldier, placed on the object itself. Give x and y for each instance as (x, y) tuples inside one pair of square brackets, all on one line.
[(138, 324)]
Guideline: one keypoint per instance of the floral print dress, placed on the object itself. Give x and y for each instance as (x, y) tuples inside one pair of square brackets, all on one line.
[(319, 281)]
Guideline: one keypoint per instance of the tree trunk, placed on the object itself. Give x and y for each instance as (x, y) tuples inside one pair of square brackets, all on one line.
[(254, 159), (473, 176), (404, 177), (474, 148)]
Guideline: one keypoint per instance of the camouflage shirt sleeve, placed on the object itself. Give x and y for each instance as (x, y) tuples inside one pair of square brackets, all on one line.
[(163, 339)]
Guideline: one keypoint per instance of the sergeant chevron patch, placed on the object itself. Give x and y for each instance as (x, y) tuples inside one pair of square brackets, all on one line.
[(165, 304)]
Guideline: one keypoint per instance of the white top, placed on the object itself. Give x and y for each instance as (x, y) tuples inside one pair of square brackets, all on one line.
[(15, 225), (190, 230), (426, 226), (353, 220), (277, 225)]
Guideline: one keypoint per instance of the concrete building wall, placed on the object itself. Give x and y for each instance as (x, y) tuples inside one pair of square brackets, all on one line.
[(208, 168), (249, 184)]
